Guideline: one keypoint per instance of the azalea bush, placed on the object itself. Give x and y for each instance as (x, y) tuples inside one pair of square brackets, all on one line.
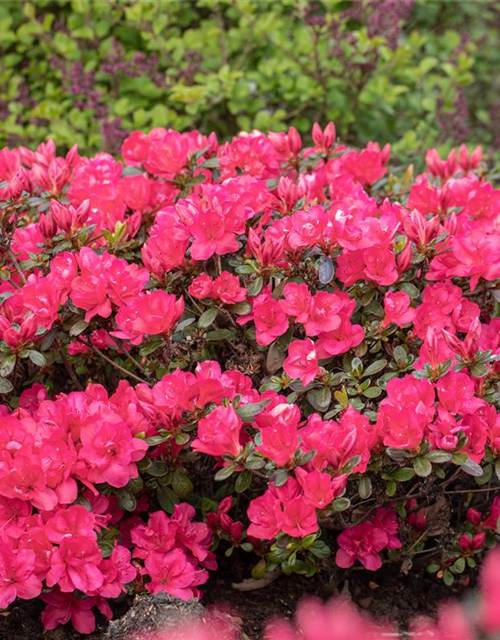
[(423, 72), (256, 348)]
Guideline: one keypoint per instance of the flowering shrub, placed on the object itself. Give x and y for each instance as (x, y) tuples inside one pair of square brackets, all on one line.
[(256, 346)]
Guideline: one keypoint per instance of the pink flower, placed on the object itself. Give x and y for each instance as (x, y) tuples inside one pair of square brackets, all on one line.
[(297, 302), (211, 235), (72, 521), (324, 140), (265, 514), (362, 542), (380, 265), (324, 313), (319, 488), (110, 451), (397, 309), (202, 287), (280, 440), (171, 572), (227, 289), (302, 361), (63, 607), (75, 565), (117, 571), (150, 313), (219, 433), (386, 519), (299, 518), (17, 575), (270, 319)]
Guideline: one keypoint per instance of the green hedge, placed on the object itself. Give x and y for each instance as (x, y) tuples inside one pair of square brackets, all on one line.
[(412, 72)]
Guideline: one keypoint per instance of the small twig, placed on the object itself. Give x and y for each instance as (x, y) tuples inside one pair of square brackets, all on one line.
[(129, 356), (483, 490), (114, 364), (69, 369), (17, 265), (218, 264)]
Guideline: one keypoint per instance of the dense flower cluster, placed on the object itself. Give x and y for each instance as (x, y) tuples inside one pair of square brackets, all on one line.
[(298, 324)]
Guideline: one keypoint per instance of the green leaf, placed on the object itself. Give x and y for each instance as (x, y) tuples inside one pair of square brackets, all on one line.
[(37, 358), (320, 399), (497, 469), (400, 354), (472, 468), (157, 468), (225, 473), (432, 568), (459, 458), (372, 392), (320, 549), (243, 481), (126, 501), (341, 504), (364, 487), (410, 289), (206, 318), (7, 365), (156, 440), (458, 566), (448, 578), (220, 334), (423, 467), (255, 461), (351, 464), (181, 484), (150, 347), (211, 163), (255, 287), (439, 456), (166, 499), (240, 308), (391, 488), (5, 385), (78, 328), (248, 411), (280, 476), (181, 438), (375, 367), (405, 474)]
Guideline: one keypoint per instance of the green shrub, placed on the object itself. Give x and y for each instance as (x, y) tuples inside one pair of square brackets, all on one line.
[(411, 72)]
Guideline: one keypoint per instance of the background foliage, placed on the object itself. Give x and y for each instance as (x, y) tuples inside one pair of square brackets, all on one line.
[(417, 73)]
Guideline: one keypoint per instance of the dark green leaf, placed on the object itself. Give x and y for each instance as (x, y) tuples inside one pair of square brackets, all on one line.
[(255, 287), (206, 318), (248, 411), (37, 358), (225, 473), (243, 481), (78, 328), (5, 385), (405, 474), (181, 484), (423, 467), (375, 367)]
